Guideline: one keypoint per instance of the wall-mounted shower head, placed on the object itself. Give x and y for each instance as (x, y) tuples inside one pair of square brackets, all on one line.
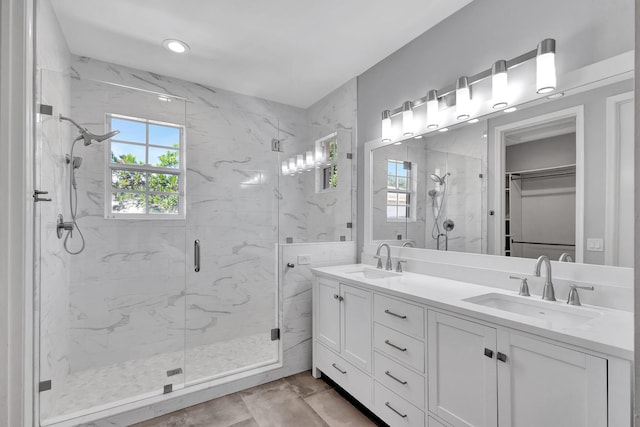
[(87, 136), (438, 179)]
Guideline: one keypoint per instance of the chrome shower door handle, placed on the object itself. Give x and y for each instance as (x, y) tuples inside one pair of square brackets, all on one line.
[(196, 255)]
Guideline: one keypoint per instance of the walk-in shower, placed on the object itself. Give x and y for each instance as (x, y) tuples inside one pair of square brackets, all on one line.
[(74, 163)]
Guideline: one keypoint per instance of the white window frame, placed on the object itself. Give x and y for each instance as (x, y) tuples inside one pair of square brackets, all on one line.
[(411, 191), (179, 171)]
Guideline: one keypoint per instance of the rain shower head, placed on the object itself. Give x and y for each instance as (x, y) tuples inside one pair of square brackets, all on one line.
[(87, 136)]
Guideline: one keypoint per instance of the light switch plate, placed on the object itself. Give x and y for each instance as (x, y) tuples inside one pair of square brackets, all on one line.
[(595, 245), (304, 259)]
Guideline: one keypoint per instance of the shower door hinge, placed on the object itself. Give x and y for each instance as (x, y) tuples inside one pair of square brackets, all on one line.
[(37, 198), (172, 372), (275, 334), (349, 156), (349, 225), (44, 386), (45, 110), (168, 388), (406, 166), (275, 145)]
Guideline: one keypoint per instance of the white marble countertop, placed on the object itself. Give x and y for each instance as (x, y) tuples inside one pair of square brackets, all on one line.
[(611, 332)]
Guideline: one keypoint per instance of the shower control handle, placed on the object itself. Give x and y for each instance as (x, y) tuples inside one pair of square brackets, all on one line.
[(62, 226), (196, 255)]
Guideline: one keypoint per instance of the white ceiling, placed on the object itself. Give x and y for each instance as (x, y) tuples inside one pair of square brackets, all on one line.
[(291, 51)]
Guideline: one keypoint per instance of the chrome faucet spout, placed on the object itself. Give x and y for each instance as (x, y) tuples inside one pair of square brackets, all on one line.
[(388, 265), (548, 293)]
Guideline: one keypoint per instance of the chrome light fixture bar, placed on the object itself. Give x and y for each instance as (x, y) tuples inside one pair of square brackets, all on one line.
[(545, 82)]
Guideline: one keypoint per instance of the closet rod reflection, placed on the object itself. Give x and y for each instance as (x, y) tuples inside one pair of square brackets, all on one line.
[(542, 243), (513, 178)]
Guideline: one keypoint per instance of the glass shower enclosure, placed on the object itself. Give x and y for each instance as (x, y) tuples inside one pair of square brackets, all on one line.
[(158, 252)]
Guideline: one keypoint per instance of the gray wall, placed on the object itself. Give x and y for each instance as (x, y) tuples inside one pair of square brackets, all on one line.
[(542, 153), (469, 41)]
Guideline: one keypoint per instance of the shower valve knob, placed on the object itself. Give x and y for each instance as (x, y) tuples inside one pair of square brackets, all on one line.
[(62, 226)]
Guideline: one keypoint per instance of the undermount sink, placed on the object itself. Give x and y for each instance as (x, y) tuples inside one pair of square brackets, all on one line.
[(372, 273), (554, 313)]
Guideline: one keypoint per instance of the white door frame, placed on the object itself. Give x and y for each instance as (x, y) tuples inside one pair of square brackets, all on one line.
[(499, 181)]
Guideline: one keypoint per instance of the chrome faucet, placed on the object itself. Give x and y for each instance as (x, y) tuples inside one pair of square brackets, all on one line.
[(547, 292), (379, 258), (565, 257)]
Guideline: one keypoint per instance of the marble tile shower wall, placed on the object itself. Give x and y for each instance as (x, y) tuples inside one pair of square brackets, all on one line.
[(130, 285), (52, 267)]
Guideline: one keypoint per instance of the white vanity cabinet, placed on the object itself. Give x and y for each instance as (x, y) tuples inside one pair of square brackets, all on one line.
[(484, 376), (414, 364), (342, 329)]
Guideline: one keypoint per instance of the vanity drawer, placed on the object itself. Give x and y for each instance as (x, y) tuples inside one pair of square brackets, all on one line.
[(394, 410), (354, 381), (399, 346), (399, 315), (399, 379)]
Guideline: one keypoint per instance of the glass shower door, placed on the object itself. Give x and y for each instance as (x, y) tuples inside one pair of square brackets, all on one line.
[(232, 201), (111, 287)]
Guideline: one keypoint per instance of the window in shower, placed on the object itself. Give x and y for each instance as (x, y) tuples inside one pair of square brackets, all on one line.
[(145, 169), (326, 156), (399, 190)]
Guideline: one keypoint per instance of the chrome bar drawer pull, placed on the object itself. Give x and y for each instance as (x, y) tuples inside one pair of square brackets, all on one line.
[(387, 373), (401, 316), (387, 342), (395, 410), (339, 370)]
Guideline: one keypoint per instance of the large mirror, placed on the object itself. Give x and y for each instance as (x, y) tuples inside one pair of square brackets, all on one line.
[(554, 177)]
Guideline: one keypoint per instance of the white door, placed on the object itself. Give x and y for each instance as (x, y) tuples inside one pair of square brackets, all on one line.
[(542, 384), (462, 371), (327, 306), (356, 328)]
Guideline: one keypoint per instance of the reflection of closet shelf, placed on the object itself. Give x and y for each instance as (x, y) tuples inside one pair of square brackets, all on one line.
[(549, 169)]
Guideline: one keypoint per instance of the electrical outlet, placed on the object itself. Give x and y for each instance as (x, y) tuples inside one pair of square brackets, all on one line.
[(595, 245), (304, 259)]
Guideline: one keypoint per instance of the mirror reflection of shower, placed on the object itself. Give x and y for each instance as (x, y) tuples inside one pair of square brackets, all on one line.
[(75, 162), (438, 196)]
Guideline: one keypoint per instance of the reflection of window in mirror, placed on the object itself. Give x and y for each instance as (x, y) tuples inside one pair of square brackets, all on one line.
[(400, 190), (327, 157)]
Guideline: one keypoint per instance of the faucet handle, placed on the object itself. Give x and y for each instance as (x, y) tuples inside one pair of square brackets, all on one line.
[(379, 258), (524, 286), (399, 265), (574, 298)]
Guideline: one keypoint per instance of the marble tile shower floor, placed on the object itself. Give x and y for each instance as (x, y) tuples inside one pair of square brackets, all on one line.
[(95, 389), (296, 401)]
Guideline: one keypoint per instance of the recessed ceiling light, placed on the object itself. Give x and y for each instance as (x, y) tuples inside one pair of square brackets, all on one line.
[(417, 137), (443, 129), (164, 98), (397, 143), (556, 95), (176, 46), (472, 121), (510, 109)]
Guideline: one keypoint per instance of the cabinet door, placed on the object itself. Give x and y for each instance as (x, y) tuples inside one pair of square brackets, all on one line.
[(542, 384), (462, 378), (327, 313), (356, 327)]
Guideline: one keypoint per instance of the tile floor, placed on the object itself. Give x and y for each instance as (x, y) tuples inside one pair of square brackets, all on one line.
[(296, 401)]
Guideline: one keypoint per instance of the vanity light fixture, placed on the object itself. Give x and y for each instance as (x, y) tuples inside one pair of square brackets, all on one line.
[(386, 126), (407, 119), (432, 110), (175, 46), (308, 160), (546, 66), (459, 94), (499, 84), (285, 168), (292, 166), (299, 163), (463, 98)]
